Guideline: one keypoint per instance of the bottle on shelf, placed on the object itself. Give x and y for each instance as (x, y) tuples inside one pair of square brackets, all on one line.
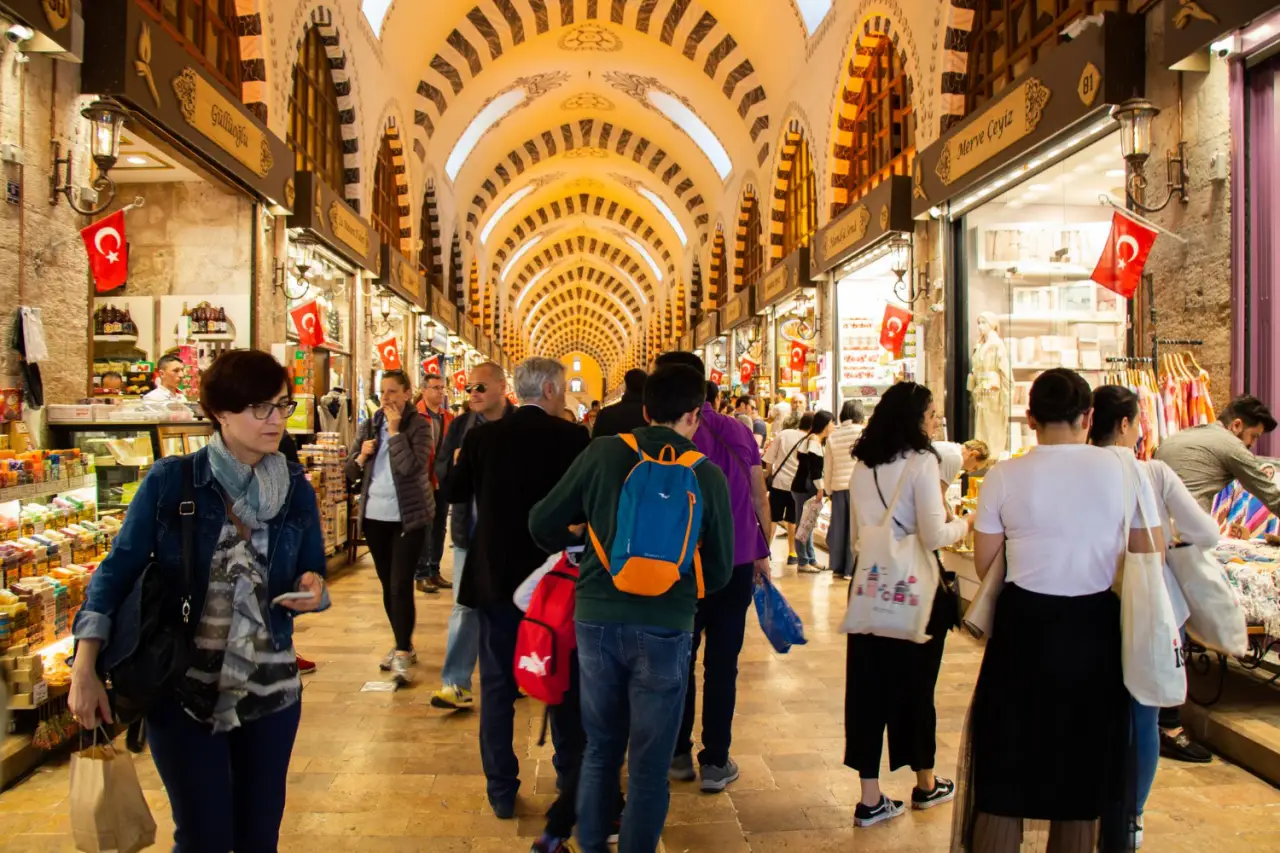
[(98, 323), (130, 327), (223, 328)]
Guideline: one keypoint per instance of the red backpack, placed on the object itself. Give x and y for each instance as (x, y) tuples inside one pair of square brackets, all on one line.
[(547, 637)]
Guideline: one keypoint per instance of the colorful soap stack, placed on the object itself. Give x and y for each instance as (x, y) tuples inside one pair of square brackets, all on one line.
[(324, 462)]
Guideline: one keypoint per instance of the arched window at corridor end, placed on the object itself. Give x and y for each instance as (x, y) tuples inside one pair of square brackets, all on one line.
[(795, 204), (876, 124), (315, 129)]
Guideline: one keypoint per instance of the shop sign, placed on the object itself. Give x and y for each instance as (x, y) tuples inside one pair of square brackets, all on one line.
[(855, 230), (706, 330), (133, 57), (467, 331), (1190, 25), (322, 211), (402, 277), (1079, 81), (737, 311), (444, 310), (788, 275), (58, 25)]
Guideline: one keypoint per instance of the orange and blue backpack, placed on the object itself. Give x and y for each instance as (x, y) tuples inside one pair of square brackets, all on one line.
[(655, 542)]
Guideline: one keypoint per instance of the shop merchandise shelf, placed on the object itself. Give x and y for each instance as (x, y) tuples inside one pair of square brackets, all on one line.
[(213, 338), (52, 487), (1060, 317), (115, 339)]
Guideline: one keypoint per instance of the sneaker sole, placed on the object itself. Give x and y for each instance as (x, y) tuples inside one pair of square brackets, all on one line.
[(880, 818), (437, 702), (928, 804), (1175, 755), (718, 785)]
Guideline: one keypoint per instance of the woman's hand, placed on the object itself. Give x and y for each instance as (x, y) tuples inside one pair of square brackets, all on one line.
[(366, 450), (88, 700), (393, 419), (312, 583)]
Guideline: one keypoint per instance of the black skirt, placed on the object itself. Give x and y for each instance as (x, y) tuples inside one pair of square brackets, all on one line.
[(1050, 715)]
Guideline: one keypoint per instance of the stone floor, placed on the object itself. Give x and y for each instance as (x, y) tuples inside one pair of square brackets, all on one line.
[(385, 771)]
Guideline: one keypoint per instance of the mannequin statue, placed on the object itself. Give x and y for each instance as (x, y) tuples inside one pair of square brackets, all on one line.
[(989, 383)]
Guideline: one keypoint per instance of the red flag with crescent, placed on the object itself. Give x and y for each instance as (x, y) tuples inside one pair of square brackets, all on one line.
[(799, 355), (1124, 256), (893, 328), (389, 352), (431, 366), (108, 252), (746, 369), (716, 377), (306, 319), (460, 380)]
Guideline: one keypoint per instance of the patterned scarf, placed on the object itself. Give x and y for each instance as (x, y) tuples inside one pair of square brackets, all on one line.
[(257, 492)]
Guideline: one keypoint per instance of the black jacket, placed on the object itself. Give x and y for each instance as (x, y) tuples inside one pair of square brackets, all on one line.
[(623, 416), (409, 449), (459, 513), (508, 466)]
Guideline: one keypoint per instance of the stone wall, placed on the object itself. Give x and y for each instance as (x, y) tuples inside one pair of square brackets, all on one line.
[(1192, 281)]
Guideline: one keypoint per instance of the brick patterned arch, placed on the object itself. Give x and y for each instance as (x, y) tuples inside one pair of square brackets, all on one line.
[(588, 204), (748, 255), (870, 115), (455, 292), (581, 302), (578, 269), (576, 317), (322, 18), (431, 255), (565, 345), (401, 171), (487, 32), (254, 91), (588, 133), (794, 151), (584, 245)]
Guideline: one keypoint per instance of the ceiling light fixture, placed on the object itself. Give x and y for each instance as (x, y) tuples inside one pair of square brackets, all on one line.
[(492, 113), (1135, 117), (666, 212), (502, 211), (106, 118), (685, 118), (644, 253), (136, 161), (520, 253)]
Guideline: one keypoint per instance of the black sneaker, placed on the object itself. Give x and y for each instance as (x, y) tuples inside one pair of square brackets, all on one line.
[(1181, 747), (888, 809), (944, 791)]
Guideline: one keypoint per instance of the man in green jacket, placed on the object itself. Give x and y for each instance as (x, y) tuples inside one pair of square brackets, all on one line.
[(633, 650)]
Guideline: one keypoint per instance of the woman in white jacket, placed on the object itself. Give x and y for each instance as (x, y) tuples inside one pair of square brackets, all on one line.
[(837, 466), (1115, 425)]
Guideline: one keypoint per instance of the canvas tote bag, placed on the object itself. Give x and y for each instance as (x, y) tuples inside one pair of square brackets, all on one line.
[(1216, 618), (980, 617), (109, 814), (895, 582), (1150, 640)]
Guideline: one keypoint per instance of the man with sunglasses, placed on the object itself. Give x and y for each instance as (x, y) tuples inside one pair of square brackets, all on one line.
[(487, 401), (432, 407)]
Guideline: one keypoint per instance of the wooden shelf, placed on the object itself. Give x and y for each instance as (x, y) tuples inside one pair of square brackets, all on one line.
[(115, 339), (213, 338)]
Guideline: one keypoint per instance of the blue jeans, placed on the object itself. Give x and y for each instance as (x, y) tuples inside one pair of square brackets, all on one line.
[(463, 647), (639, 674), (227, 790), (1146, 733)]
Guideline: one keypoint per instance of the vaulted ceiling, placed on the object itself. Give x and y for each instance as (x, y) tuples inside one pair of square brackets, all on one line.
[(587, 146)]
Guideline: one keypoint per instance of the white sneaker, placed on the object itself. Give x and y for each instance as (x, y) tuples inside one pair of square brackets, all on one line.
[(887, 810), (401, 665), (385, 666)]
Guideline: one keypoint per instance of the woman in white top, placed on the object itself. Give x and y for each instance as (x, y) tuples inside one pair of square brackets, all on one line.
[(889, 683), (837, 466), (1049, 736), (1115, 426), (782, 459), (808, 485)]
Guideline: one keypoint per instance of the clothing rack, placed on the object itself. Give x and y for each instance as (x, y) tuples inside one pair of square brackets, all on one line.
[(1129, 359), (1156, 340)]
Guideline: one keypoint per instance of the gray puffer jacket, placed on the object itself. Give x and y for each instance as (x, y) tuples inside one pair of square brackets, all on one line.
[(409, 450)]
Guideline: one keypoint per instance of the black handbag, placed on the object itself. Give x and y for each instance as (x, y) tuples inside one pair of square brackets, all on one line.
[(160, 608)]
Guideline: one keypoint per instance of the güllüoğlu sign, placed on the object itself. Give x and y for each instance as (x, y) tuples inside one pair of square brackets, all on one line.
[(1012, 118), (208, 111)]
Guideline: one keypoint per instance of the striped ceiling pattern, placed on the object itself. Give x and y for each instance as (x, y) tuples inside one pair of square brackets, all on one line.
[(583, 245), (598, 279)]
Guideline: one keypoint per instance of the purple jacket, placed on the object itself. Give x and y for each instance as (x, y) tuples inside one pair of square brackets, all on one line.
[(730, 445)]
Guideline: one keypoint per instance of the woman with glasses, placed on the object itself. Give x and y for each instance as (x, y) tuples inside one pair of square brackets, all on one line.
[(222, 740), (397, 505)]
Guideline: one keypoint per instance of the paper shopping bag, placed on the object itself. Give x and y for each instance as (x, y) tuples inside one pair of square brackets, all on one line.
[(109, 814)]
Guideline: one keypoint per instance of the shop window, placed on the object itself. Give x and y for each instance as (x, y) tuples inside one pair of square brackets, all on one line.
[(883, 141), (575, 384), (207, 29), (750, 250), (1009, 35), (386, 200), (315, 131), (800, 213)]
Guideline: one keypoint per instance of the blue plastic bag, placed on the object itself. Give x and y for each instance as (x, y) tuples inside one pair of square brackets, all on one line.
[(778, 621)]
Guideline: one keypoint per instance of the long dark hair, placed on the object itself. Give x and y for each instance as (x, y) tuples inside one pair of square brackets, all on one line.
[(896, 426), (821, 420), (1111, 405)]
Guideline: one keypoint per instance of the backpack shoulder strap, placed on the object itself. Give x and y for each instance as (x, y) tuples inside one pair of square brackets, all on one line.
[(690, 459), (630, 441)]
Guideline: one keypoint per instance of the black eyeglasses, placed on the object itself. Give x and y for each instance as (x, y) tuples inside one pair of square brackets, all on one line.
[(477, 388), (262, 411)]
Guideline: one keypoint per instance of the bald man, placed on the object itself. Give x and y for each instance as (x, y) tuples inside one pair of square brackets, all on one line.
[(487, 401)]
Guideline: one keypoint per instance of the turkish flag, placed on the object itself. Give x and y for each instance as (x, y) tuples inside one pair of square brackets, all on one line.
[(306, 319), (716, 377), (108, 252), (389, 352), (746, 369), (799, 355), (431, 366), (460, 380), (893, 328), (1128, 244)]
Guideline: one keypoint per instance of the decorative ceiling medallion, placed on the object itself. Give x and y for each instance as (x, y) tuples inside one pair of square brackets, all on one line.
[(591, 37), (537, 85), (582, 153), (587, 101)]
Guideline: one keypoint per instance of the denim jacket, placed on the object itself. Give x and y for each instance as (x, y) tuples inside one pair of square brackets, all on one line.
[(152, 527)]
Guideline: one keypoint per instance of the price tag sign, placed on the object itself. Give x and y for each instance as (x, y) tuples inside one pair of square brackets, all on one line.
[(39, 693)]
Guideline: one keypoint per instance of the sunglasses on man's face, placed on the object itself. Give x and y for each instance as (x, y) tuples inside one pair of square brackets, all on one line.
[(477, 388)]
